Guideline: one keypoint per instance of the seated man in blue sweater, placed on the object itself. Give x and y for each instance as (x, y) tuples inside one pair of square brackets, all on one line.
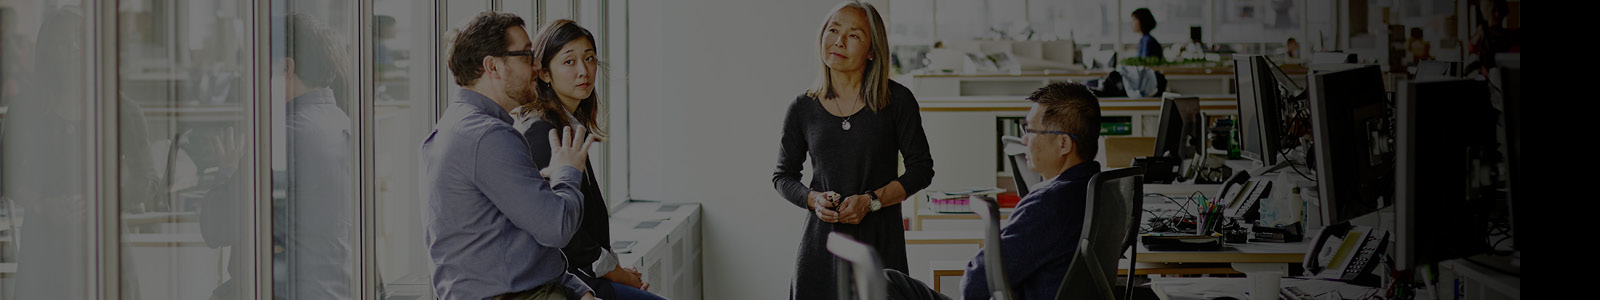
[(1062, 132)]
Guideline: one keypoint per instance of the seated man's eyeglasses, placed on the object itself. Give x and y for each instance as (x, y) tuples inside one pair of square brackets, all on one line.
[(1027, 130)]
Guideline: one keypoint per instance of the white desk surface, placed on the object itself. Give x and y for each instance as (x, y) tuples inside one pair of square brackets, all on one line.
[(925, 211), (1171, 288), (1232, 253)]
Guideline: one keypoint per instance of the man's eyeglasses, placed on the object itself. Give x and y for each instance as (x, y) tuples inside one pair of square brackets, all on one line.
[(1027, 130), (517, 53)]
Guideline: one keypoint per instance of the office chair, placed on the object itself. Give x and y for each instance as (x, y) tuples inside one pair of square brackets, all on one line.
[(859, 273), (1110, 226), (1161, 84), (989, 211), (1017, 155)]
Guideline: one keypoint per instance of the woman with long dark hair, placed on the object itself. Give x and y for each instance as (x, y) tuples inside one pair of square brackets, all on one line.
[(566, 62)]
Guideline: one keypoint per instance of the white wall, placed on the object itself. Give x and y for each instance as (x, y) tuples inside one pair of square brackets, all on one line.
[(710, 81)]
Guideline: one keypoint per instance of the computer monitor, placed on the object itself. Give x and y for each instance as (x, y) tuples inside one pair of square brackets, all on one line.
[(1180, 132), (1354, 156), (1508, 94), (1439, 125), (1264, 92), (1436, 69)]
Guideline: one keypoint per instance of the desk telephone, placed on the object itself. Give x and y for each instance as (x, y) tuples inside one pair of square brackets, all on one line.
[(1243, 194), (1345, 252)]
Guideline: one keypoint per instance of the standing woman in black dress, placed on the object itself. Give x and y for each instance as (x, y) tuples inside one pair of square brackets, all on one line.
[(854, 124)]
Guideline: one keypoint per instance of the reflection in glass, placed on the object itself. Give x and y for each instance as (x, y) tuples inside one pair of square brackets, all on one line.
[(44, 138), (313, 223), (184, 132)]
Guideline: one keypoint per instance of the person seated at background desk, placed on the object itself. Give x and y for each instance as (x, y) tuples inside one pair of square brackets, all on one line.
[(1143, 23), (1061, 129)]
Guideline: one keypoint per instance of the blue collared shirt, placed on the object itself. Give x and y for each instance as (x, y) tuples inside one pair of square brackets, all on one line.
[(1041, 238), (496, 226)]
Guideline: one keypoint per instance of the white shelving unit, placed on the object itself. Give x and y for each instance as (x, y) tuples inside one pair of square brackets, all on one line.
[(666, 245)]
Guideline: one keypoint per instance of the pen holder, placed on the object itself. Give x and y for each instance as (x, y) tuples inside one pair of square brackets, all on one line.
[(1208, 223)]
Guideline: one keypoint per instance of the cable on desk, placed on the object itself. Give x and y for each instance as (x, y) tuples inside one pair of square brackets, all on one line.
[(1292, 165), (1181, 207), (1503, 229), (1302, 175)]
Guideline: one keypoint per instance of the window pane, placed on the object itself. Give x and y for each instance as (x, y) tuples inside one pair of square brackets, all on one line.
[(45, 236), (1007, 20), (1090, 22), (556, 10), (313, 186), (590, 18), (405, 34), (911, 22), (1048, 19), (458, 12), (525, 9), (615, 102), (957, 20), (188, 198), (1258, 21)]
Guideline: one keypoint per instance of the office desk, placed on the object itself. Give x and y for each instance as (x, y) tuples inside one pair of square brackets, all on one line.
[(1211, 287), (1240, 258), (927, 219), (1232, 253)]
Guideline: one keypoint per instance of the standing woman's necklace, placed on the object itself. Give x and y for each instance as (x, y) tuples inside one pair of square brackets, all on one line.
[(846, 123)]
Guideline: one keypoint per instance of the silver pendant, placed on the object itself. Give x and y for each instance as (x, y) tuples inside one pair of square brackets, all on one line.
[(846, 125)]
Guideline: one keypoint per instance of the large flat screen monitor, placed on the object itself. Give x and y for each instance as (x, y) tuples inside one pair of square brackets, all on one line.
[(1441, 129), (1265, 93), (1180, 132), (1353, 142)]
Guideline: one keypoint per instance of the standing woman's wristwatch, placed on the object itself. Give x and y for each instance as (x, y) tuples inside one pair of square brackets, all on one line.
[(875, 204)]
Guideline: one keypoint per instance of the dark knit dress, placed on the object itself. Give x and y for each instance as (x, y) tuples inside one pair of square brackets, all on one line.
[(850, 162)]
